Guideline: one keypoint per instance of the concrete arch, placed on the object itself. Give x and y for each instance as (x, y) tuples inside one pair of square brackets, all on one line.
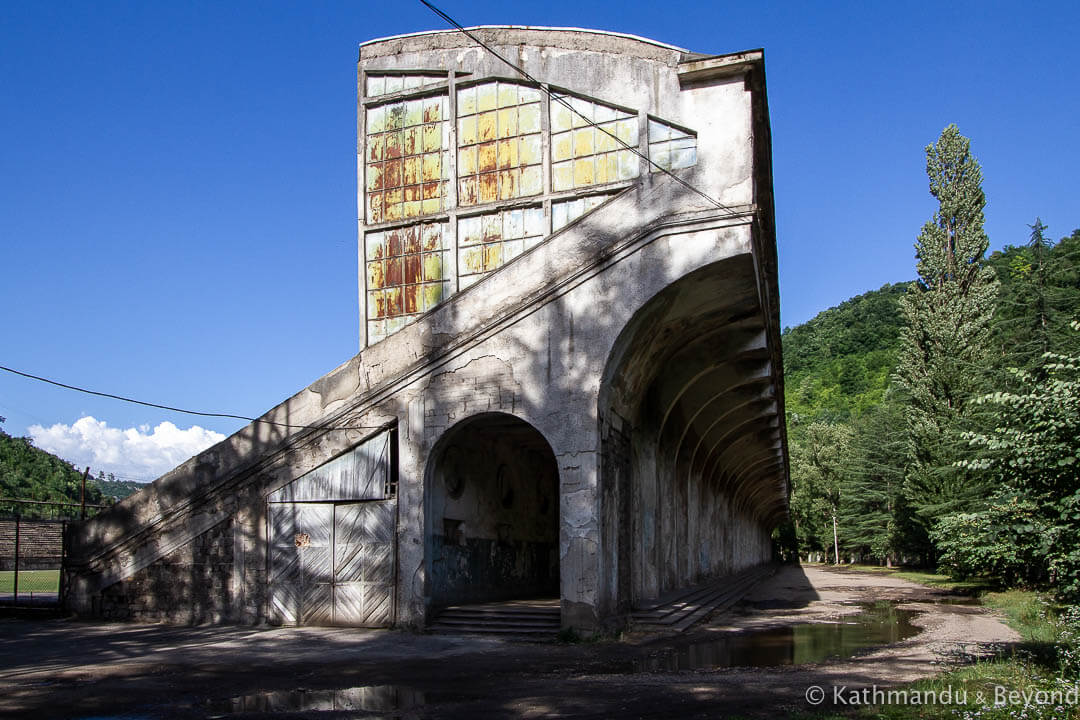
[(491, 487), (689, 459)]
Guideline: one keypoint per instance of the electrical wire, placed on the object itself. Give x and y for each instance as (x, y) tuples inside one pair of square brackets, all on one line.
[(551, 95), (200, 413), (562, 101)]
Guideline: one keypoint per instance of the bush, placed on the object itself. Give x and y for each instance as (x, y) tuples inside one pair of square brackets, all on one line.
[(1008, 542)]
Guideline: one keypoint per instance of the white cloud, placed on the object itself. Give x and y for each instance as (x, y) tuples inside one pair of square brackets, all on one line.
[(132, 453)]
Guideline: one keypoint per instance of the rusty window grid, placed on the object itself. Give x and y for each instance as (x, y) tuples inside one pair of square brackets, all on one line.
[(488, 241), (551, 200), (381, 83), (406, 157), (408, 272), (670, 147), (585, 155), (499, 141)]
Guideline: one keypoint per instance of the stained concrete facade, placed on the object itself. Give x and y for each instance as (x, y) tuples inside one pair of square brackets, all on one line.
[(569, 378)]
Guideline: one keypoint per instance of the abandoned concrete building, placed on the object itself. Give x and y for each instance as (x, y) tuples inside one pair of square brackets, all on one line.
[(569, 381)]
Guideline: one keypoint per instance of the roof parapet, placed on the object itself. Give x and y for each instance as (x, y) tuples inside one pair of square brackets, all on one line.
[(695, 72)]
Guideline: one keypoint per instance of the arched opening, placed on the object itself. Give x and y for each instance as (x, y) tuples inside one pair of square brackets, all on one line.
[(493, 513), (692, 449)]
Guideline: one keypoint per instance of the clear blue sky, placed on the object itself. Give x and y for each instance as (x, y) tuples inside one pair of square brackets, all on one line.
[(178, 185)]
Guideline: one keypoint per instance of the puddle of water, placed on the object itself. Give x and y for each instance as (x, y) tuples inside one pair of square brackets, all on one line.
[(877, 624), (368, 698)]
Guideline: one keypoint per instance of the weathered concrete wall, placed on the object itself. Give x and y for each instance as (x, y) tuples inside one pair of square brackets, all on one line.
[(190, 585), (579, 337), (543, 365)]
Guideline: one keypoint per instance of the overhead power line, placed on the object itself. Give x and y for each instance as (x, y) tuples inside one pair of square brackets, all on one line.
[(562, 101), (543, 88), (144, 403)]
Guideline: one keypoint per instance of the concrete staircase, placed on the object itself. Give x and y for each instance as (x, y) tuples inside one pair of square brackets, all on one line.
[(514, 618), (680, 610)]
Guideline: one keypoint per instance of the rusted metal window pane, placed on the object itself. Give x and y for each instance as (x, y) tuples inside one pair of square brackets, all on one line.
[(486, 242), (408, 273), (407, 158), (584, 154), (670, 147), (498, 138)]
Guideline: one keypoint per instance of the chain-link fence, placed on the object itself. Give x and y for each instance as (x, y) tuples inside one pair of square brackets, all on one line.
[(31, 555), (32, 548)]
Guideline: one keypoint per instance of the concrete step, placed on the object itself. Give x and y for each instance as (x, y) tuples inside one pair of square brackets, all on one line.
[(498, 622), (441, 629), (679, 612), (527, 618), (505, 617)]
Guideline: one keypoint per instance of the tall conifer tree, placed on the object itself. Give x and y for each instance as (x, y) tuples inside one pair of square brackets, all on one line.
[(945, 346)]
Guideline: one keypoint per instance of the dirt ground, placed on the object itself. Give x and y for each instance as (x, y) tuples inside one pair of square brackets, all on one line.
[(66, 669)]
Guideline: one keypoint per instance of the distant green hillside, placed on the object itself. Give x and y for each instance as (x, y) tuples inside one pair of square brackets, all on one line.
[(29, 473), (837, 365), (118, 489)]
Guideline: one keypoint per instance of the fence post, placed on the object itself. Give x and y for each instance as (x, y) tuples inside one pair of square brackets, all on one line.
[(82, 495), (15, 587), (61, 596)]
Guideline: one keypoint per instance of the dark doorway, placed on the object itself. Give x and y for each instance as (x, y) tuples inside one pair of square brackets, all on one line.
[(493, 515)]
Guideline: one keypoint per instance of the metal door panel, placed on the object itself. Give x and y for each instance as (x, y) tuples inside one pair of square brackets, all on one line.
[(377, 561), (349, 604), (318, 605), (301, 572), (364, 560), (333, 563), (285, 586), (378, 610)]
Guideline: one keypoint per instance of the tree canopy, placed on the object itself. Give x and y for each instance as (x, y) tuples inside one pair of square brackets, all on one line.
[(938, 420)]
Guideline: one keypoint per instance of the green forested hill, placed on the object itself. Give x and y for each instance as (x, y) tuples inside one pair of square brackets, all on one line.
[(29, 473), (118, 489), (851, 458), (837, 365)]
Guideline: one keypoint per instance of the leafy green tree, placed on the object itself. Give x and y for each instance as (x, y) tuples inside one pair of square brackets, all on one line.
[(1006, 542), (945, 347), (817, 478), (1031, 530)]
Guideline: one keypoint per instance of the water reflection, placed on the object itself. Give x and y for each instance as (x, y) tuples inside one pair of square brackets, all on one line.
[(393, 699), (877, 624)]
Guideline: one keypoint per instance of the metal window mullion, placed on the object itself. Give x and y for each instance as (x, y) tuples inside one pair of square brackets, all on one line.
[(643, 144), (451, 191), (545, 156), (364, 314), (362, 199)]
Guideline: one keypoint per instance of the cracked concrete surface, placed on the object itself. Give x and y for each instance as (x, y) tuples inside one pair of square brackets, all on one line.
[(60, 669)]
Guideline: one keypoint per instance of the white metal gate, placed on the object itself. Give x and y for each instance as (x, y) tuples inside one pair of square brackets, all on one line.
[(332, 539), (333, 563)]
